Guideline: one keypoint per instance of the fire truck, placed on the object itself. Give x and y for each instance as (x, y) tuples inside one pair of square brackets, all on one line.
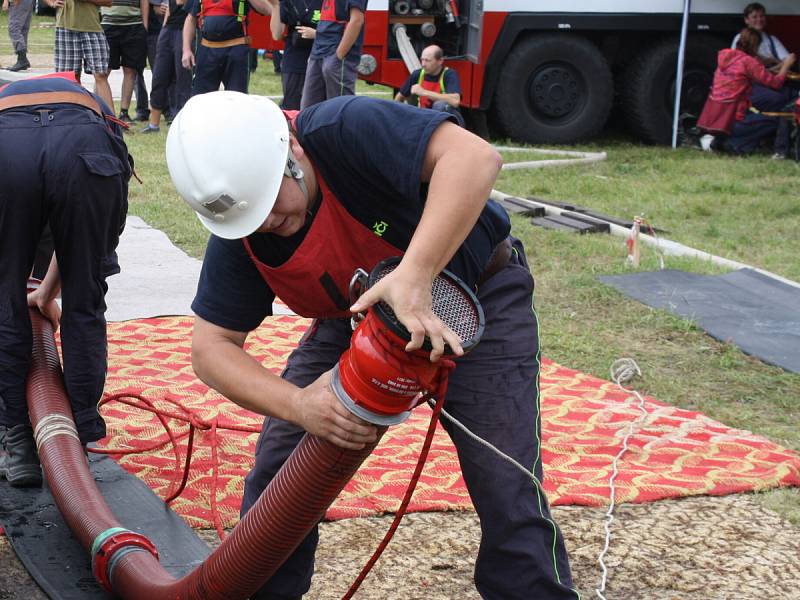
[(551, 72)]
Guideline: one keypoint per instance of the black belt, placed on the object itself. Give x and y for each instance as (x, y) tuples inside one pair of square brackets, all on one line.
[(498, 260)]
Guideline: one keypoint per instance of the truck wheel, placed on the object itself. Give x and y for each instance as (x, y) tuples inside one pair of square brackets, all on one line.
[(554, 89), (648, 87)]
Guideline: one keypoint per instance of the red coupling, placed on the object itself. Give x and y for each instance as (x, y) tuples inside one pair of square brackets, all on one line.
[(110, 546), (379, 375)]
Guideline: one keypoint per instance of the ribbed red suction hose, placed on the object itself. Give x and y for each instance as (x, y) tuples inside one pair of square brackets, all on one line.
[(287, 510)]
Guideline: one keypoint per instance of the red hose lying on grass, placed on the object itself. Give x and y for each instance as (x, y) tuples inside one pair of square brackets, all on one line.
[(125, 562)]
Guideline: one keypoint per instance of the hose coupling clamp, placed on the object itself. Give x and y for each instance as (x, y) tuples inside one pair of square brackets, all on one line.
[(111, 542)]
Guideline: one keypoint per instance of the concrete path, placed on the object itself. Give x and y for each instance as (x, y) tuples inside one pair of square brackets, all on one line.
[(114, 79), (157, 278)]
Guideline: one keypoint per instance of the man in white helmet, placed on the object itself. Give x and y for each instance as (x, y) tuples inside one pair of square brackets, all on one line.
[(294, 214)]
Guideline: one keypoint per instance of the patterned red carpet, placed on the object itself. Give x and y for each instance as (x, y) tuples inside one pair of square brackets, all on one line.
[(675, 453)]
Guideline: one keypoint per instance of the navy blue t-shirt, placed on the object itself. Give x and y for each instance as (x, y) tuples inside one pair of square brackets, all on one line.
[(370, 153), (329, 32), (218, 28), (452, 85), (296, 49)]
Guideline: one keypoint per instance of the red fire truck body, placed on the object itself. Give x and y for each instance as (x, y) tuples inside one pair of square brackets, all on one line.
[(551, 72)]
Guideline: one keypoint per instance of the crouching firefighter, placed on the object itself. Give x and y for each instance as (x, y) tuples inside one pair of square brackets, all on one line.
[(64, 164), (223, 52), (295, 203)]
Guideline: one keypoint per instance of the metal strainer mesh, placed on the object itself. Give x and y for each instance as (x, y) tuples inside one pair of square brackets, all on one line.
[(450, 303)]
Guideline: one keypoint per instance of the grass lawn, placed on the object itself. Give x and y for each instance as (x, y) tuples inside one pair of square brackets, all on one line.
[(743, 209)]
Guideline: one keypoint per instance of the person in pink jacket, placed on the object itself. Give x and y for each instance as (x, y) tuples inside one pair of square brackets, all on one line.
[(727, 110)]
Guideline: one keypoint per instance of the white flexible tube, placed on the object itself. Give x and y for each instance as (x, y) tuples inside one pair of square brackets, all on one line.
[(665, 246), (406, 49), (579, 158)]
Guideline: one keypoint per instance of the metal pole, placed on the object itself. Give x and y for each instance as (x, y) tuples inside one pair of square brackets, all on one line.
[(687, 6)]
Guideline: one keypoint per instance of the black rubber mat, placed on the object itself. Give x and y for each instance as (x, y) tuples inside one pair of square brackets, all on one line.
[(757, 313), (57, 561)]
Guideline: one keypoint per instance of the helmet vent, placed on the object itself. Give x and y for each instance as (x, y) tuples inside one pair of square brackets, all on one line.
[(220, 205)]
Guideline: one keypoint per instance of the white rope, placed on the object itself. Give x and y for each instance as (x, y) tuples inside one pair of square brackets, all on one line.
[(622, 371), (482, 442), (574, 157)]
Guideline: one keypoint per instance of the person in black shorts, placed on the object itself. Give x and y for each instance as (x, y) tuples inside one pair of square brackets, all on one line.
[(125, 25)]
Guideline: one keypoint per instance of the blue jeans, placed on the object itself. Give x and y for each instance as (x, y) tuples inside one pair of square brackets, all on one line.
[(494, 391)]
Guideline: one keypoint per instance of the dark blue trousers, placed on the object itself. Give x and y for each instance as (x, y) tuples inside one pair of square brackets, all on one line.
[(747, 135), (226, 66), (766, 99), (169, 74), (494, 391), (64, 168)]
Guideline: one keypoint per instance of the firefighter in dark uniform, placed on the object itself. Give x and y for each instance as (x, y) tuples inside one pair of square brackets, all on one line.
[(64, 163), (223, 52), (434, 85), (293, 215)]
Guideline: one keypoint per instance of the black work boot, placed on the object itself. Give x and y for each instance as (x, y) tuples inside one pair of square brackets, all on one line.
[(19, 462), (22, 63)]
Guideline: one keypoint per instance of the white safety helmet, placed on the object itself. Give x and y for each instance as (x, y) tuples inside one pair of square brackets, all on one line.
[(227, 154)]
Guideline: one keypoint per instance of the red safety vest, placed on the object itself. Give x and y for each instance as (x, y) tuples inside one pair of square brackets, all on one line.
[(328, 13), (314, 281), (433, 86), (223, 8)]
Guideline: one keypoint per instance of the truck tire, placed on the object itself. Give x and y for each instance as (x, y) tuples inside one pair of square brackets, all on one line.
[(553, 89), (648, 86)]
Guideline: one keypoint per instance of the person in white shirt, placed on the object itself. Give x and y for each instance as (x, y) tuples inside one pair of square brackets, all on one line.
[(771, 52)]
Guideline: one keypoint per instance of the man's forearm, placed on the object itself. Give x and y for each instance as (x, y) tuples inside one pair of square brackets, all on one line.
[(350, 35), (188, 33), (144, 5), (51, 284), (224, 366), (261, 6), (276, 26)]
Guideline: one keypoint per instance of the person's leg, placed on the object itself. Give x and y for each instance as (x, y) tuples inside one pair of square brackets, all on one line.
[(19, 23), (782, 138), (163, 74), (443, 106), (142, 98), (96, 53), (767, 99), (236, 72), (128, 81), (22, 218), (86, 197), (292, 90), (67, 53), (746, 135), (208, 69), (314, 84), (340, 76), (183, 77), (133, 57), (318, 352), (494, 392)]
